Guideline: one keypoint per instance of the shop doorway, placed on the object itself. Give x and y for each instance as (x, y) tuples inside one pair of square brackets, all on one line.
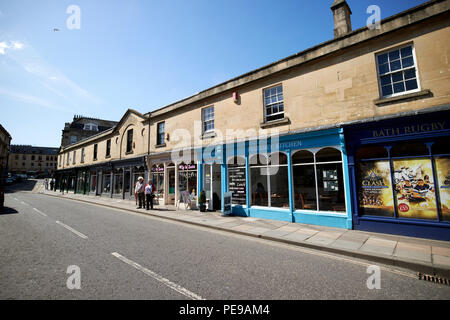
[(213, 186), (171, 184)]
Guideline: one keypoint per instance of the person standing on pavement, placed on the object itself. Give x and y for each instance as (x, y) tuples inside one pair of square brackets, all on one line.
[(139, 190), (51, 184), (149, 189)]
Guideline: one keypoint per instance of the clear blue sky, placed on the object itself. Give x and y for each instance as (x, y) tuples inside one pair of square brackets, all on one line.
[(143, 54)]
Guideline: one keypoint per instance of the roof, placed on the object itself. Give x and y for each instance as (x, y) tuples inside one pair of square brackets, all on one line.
[(26, 149), (403, 19), (4, 131)]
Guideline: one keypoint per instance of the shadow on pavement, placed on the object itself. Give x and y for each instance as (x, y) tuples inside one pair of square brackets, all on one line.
[(27, 185), (7, 210)]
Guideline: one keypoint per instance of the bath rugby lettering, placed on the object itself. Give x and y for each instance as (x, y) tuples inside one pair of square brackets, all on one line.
[(411, 129)]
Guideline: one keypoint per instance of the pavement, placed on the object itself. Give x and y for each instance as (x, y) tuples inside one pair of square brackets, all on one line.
[(425, 256)]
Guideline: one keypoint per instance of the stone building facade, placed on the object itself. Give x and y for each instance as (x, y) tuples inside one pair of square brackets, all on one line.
[(5, 141), (293, 140), (83, 127), (39, 161)]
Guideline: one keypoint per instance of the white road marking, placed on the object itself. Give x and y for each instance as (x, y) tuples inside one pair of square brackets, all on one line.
[(72, 229), (159, 278), (40, 212)]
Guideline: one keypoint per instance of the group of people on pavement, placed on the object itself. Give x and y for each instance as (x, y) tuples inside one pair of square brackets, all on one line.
[(144, 193), (49, 183)]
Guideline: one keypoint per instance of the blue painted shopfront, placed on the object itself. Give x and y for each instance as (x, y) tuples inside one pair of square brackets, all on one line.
[(300, 177), (400, 175)]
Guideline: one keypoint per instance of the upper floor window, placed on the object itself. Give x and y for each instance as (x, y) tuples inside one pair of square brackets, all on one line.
[(82, 155), (130, 140), (273, 103), (91, 126), (67, 158), (74, 157), (160, 133), (73, 139), (397, 71), (108, 147), (95, 151), (208, 119)]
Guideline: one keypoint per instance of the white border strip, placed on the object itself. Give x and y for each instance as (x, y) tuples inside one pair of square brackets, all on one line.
[(159, 278), (73, 230)]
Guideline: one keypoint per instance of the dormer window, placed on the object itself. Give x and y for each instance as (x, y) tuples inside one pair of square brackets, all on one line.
[(91, 127)]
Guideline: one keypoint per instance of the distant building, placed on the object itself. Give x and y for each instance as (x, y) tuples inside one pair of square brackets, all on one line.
[(5, 140), (83, 127), (40, 161)]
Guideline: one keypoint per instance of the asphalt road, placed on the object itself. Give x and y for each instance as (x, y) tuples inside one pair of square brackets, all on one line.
[(122, 255)]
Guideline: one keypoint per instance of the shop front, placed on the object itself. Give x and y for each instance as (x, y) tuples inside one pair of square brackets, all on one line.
[(298, 178), (400, 175)]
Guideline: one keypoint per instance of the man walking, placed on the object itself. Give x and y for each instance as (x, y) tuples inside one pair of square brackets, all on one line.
[(139, 190), (149, 189)]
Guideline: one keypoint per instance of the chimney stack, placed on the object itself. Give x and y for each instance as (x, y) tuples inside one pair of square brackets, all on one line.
[(342, 21)]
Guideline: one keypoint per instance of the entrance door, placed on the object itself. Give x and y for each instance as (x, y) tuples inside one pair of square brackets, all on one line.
[(212, 186), (171, 182)]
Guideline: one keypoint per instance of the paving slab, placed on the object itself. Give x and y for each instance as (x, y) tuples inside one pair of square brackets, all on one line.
[(300, 235), (324, 237), (413, 251), (379, 245), (441, 260), (440, 251), (258, 230), (277, 233), (346, 244)]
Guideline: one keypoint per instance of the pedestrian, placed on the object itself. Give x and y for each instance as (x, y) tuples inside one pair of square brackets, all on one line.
[(52, 184), (139, 190), (46, 183), (149, 189), (135, 193)]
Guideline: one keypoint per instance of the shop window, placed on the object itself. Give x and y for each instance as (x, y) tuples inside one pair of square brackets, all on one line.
[(187, 178), (258, 178), (126, 182), (237, 180), (118, 181), (302, 156), (158, 179), (411, 149), (93, 183), (372, 152), (106, 181), (328, 155), (414, 188), (304, 179), (375, 188), (442, 165), (269, 182)]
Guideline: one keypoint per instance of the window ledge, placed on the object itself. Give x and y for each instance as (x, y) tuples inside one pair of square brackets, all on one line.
[(160, 145), (280, 122), (208, 135), (405, 97), (108, 156), (129, 152)]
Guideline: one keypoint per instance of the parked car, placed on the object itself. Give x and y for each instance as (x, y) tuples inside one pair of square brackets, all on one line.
[(9, 181)]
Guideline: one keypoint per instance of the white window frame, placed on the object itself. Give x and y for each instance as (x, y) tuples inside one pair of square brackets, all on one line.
[(207, 118), (397, 71), (272, 104), (91, 126)]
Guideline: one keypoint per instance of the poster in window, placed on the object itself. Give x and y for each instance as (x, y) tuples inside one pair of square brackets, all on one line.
[(375, 189), (442, 166), (414, 189)]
